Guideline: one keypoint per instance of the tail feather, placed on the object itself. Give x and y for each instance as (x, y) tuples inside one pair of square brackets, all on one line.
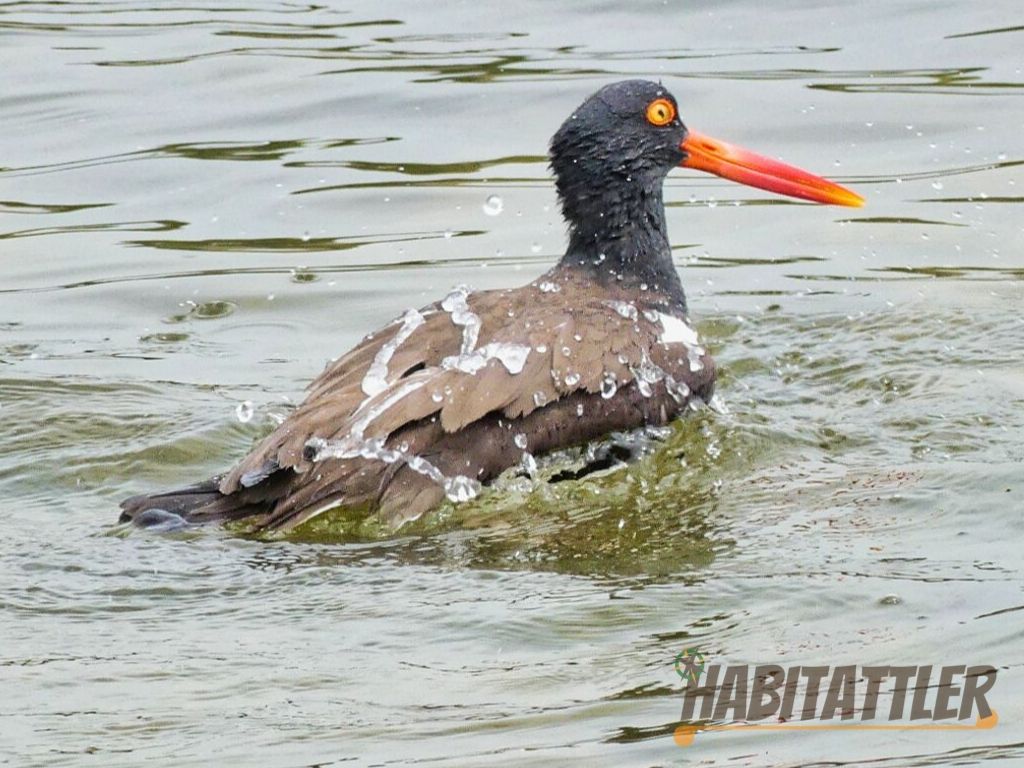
[(197, 503)]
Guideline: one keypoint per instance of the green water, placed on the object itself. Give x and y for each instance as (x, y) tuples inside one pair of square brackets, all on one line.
[(201, 203)]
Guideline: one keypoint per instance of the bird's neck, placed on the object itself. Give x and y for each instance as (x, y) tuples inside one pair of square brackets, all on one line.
[(618, 235)]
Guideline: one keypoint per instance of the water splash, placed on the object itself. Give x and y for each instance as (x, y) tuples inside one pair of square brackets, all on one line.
[(461, 488), (376, 379), (455, 303), (609, 385), (625, 309), (512, 356), (493, 205), (675, 330), (244, 411)]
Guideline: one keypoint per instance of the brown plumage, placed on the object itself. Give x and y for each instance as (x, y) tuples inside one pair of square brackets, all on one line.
[(465, 423), (448, 397)]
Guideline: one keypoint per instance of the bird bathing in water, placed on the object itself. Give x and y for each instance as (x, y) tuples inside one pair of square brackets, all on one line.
[(447, 397)]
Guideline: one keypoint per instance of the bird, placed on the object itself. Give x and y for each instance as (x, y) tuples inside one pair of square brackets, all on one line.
[(446, 397)]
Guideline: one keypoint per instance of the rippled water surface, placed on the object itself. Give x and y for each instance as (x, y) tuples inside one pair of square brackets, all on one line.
[(202, 202)]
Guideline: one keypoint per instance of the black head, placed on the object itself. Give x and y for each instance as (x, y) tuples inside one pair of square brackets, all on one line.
[(616, 136), (610, 158)]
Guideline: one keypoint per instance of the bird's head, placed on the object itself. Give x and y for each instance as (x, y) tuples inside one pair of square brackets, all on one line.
[(629, 135)]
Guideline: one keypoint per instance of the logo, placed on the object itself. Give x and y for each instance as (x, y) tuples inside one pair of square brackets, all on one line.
[(773, 697), (689, 664)]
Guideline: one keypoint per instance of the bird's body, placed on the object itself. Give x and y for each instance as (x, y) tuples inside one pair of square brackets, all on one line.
[(445, 398)]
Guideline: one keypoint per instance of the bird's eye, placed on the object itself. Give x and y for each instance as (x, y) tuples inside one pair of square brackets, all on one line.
[(660, 112)]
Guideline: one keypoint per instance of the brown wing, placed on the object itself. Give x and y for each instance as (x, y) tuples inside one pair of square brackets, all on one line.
[(436, 374), (335, 395)]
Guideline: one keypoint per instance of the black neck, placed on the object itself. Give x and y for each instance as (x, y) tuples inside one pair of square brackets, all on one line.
[(619, 235)]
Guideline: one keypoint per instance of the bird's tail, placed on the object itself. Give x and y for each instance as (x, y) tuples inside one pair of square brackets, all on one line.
[(197, 503)]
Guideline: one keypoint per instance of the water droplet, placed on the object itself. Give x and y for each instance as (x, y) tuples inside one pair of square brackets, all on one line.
[(529, 464), (539, 398), (566, 351), (521, 441), (624, 308), (890, 599), (244, 411), (461, 488), (210, 310), (572, 379), (936, 185), (678, 390), (608, 385), (437, 397), (549, 287), (694, 356), (579, 409), (493, 205), (448, 234), (535, 248), (304, 275)]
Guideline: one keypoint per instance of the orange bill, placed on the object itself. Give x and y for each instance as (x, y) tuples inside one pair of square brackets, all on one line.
[(737, 164)]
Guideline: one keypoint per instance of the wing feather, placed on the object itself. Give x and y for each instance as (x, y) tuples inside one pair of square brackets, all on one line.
[(565, 347)]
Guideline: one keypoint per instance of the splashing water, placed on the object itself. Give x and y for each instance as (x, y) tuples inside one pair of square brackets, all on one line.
[(376, 379), (461, 488), (493, 205), (624, 308), (675, 330), (609, 385), (695, 356), (529, 464), (512, 356), (456, 305), (244, 411)]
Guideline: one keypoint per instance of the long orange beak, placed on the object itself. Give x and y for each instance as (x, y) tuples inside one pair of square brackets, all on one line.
[(746, 167)]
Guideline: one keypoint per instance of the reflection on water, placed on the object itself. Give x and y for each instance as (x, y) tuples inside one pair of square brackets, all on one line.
[(858, 502)]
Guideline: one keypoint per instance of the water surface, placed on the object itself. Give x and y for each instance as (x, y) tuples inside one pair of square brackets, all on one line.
[(201, 203)]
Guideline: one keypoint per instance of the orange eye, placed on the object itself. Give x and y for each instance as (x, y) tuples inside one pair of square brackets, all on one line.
[(660, 112)]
